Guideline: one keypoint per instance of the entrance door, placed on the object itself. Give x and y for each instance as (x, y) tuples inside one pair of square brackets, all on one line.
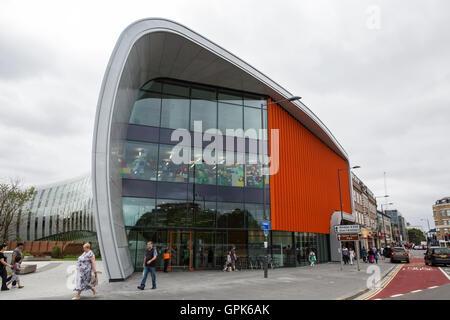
[(181, 249)]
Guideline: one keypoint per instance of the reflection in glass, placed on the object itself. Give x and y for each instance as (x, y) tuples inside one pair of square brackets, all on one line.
[(167, 169), (175, 112), (230, 98), (252, 119), (255, 215), (204, 173), (230, 215), (253, 172), (176, 89), (202, 214), (230, 117), (205, 111), (170, 213), (230, 174), (139, 161), (138, 211), (146, 109)]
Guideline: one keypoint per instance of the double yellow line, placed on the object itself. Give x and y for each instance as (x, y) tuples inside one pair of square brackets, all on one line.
[(385, 284)]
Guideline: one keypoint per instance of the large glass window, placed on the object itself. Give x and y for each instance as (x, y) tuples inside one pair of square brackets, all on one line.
[(230, 215), (139, 161), (253, 172), (230, 117), (255, 215), (202, 214), (138, 211), (205, 111), (176, 89), (167, 169), (146, 109), (170, 213), (203, 172), (254, 101), (231, 174), (175, 112), (252, 119)]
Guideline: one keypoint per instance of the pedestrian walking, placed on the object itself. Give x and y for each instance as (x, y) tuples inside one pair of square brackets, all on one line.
[(3, 265), (166, 259), (228, 262), (149, 265), (312, 258), (377, 256), (371, 255), (85, 267), (345, 255), (352, 255), (382, 253), (17, 257), (233, 258), (15, 278), (364, 254)]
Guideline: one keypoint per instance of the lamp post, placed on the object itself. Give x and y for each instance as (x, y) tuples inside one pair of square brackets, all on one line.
[(293, 98), (378, 221), (340, 194), (386, 204), (428, 232), (342, 217)]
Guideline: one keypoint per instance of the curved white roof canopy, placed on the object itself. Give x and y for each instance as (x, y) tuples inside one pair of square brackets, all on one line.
[(154, 48)]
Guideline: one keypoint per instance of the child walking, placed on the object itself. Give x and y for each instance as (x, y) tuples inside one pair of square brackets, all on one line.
[(15, 275), (312, 258)]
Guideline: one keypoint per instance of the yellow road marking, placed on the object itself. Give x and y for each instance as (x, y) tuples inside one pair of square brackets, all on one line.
[(385, 284)]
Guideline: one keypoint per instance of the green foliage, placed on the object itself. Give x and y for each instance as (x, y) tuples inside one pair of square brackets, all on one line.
[(416, 235), (57, 252), (12, 199)]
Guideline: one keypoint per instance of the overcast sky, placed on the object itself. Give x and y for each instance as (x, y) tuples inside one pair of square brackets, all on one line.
[(377, 73)]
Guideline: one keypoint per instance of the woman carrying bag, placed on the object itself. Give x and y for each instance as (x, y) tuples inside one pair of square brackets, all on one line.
[(85, 268)]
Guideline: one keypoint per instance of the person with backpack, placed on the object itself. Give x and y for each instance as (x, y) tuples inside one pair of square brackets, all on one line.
[(149, 266)]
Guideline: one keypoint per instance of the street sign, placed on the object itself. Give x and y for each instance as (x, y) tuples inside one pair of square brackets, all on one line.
[(348, 236), (351, 228), (266, 225)]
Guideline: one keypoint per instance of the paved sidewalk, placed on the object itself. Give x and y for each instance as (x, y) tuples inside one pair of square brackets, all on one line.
[(49, 281), (323, 282)]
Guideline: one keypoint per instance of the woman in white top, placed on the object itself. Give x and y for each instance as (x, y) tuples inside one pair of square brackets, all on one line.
[(352, 255)]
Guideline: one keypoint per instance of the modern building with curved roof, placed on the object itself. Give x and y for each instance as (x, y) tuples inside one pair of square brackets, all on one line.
[(163, 77), (56, 210)]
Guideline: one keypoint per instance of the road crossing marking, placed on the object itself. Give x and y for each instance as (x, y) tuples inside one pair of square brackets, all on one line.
[(415, 291), (445, 273), (397, 295), (432, 287)]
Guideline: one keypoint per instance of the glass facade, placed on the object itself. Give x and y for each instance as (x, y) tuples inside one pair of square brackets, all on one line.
[(198, 209), (56, 210)]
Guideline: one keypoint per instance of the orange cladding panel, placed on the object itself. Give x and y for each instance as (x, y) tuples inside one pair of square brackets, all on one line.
[(305, 191)]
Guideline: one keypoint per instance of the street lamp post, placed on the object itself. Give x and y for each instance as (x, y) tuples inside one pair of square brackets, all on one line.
[(428, 232), (340, 194), (342, 216), (293, 98), (386, 204), (378, 222)]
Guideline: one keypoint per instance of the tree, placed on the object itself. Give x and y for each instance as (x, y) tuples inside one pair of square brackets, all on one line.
[(416, 235), (12, 199)]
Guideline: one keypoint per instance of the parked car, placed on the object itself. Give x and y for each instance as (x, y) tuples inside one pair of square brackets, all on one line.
[(437, 255), (418, 247), (399, 254)]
